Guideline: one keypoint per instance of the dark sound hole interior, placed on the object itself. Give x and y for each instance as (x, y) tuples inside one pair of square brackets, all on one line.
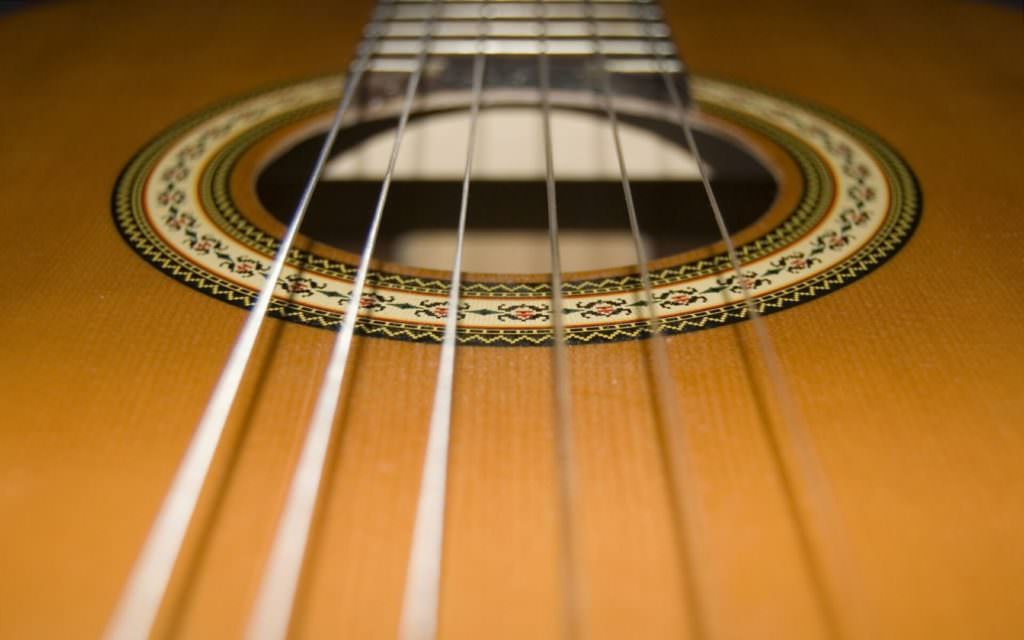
[(674, 216)]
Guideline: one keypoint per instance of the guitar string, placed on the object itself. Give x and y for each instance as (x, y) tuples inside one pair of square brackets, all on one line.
[(147, 584), (420, 604), (205, 443), (572, 594), (819, 500), (272, 611), (676, 446)]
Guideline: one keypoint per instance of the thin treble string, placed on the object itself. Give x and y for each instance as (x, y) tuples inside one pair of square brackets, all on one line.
[(573, 599), (423, 577), (673, 430), (147, 585), (271, 614), (819, 499)]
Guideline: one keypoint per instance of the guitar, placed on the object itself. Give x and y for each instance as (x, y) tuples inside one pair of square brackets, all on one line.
[(811, 430)]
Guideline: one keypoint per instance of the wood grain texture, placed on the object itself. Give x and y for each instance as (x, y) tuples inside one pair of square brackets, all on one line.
[(911, 380)]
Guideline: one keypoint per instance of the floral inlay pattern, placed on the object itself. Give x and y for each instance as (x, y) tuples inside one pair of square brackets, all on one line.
[(874, 209)]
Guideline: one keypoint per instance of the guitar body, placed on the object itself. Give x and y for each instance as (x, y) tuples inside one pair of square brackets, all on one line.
[(910, 380)]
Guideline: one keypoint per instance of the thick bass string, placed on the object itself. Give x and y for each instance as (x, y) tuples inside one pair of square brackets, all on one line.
[(147, 584)]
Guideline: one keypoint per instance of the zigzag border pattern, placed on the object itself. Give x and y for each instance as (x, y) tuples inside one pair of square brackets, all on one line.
[(900, 222)]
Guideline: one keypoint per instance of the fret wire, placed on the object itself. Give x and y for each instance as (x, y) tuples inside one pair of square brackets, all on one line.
[(519, 29), (406, 64), (422, 583), (523, 10), (527, 47), (271, 614), (144, 592), (673, 428), (573, 598), (533, 2), (820, 500)]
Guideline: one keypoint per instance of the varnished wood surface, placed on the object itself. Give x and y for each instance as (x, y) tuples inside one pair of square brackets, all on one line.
[(911, 380)]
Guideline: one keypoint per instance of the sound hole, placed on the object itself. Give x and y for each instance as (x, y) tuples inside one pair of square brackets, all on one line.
[(507, 227)]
